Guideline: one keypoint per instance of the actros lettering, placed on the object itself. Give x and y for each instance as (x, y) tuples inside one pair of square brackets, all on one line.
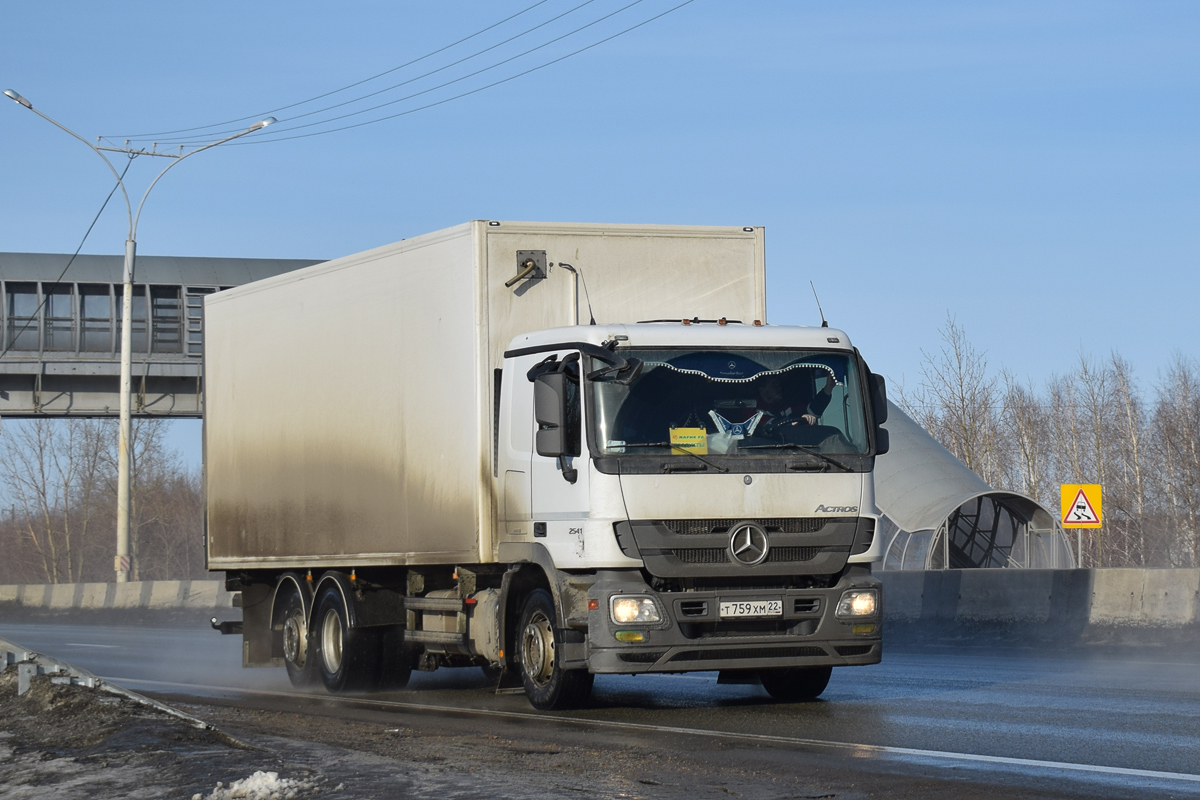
[(823, 509)]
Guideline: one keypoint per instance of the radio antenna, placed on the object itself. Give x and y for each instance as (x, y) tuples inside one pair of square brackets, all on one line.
[(824, 324), (579, 276)]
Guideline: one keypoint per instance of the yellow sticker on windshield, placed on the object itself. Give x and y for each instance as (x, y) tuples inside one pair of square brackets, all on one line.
[(694, 440)]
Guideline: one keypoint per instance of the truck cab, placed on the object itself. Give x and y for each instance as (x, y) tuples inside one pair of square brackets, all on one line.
[(703, 492)]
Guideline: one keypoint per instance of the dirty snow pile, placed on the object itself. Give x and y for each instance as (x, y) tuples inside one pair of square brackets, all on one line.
[(259, 786)]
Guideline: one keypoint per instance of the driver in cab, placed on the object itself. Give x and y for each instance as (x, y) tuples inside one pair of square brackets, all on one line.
[(778, 409)]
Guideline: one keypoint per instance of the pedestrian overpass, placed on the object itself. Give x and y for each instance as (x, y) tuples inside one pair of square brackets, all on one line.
[(61, 340)]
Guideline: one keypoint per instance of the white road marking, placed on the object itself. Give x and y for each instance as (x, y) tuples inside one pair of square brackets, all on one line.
[(85, 644), (855, 749)]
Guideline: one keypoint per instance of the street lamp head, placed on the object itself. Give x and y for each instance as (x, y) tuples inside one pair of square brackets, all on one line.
[(16, 97), (262, 123)]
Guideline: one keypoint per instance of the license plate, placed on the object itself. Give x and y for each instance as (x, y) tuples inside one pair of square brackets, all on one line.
[(751, 608)]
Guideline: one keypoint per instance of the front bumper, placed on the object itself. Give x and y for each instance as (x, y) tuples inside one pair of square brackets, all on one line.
[(692, 636)]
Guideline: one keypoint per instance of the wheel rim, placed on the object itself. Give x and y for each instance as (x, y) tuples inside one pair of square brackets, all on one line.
[(537, 649), (331, 642), (295, 639)]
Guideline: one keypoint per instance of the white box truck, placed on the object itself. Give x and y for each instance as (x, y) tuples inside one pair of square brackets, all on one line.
[(548, 450)]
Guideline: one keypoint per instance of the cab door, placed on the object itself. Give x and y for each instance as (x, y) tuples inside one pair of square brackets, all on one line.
[(560, 483)]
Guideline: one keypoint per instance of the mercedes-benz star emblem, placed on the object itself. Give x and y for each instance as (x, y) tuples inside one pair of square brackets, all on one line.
[(748, 544)]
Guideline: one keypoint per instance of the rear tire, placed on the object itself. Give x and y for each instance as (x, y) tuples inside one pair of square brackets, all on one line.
[(297, 644), (347, 659), (547, 685), (795, 684)]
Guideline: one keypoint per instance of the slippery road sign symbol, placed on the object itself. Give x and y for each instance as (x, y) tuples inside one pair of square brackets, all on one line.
[(1081, 505)]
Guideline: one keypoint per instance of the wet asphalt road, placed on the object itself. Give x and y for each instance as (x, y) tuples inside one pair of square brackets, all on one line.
[(1108, 712)]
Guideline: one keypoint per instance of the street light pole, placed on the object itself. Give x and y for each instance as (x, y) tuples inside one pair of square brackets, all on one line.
[(123, 563)]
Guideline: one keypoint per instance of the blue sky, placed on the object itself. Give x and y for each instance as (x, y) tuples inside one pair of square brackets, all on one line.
[(1031, 168)]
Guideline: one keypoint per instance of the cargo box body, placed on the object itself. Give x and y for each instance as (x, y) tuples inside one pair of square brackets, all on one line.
[(350, 406)]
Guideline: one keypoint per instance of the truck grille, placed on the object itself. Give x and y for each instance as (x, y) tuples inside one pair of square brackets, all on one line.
[(685, 527), (792, 553), (701, 555), (718, 555)]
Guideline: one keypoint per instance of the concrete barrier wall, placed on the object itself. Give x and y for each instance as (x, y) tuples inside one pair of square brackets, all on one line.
[(1123, 597), (133, 595)]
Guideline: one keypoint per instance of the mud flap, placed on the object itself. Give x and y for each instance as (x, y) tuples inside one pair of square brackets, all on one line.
[(257, 641), (510, 683)]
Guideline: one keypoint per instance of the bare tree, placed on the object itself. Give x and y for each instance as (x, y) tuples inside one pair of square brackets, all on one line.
[(60, 475), (1026, 425), (1176, 435), (1126, 488), (54, 470), (957, 403), (1089, 425)]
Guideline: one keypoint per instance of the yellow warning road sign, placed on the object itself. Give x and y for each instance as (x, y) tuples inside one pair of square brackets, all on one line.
[(1081, 505)]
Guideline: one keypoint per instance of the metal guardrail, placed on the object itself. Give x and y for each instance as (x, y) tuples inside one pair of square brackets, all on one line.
[(31, 663)]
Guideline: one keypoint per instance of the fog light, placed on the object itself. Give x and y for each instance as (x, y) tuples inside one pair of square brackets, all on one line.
[(630, 636), (858, 603), (634, 608), (864, 629)]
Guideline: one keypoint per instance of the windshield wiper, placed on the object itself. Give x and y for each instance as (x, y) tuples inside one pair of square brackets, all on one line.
[(794, 446), (668, 467)]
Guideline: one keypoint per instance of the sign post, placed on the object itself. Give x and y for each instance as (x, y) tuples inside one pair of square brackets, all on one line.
[(1081, 508)]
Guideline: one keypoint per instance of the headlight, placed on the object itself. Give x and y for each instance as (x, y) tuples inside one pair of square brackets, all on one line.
[(858, 603), (627, 608)]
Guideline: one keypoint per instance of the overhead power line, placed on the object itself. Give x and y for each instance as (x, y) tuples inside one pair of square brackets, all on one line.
[(278, 138), (429, 74), (467, 76), (347, 87), (280, 131)]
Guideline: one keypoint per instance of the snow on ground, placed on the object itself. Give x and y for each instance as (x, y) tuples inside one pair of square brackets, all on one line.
[(259, 786)]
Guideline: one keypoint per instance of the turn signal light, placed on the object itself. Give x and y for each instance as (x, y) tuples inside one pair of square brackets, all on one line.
[(630, 636)]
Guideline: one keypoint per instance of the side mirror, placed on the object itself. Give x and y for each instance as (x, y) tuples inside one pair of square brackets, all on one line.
[(550, 412), (883, 441), (879, 398), (633, 368)]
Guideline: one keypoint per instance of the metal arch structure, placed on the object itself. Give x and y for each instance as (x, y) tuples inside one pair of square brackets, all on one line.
[(937, 514), (63, 337)]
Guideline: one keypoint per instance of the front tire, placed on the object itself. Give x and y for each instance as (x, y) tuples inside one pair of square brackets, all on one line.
[(795, 684), (347, 659), (547, 685)]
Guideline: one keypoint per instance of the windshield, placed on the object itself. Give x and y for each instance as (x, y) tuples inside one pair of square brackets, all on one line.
[(732, 402)]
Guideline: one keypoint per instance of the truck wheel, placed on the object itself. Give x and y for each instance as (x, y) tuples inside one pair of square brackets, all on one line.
[(346, 658), (297, 649), (795, 684), (547, 685)]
